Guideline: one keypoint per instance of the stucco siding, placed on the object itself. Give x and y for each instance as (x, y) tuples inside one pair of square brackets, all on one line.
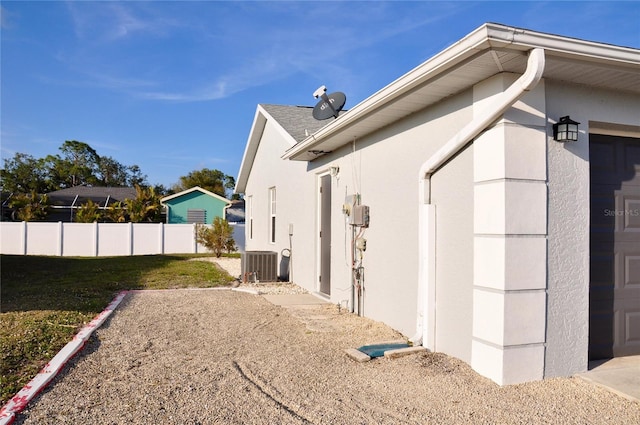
[(294, 205), (568, 222), (384, 168), (452, 194)]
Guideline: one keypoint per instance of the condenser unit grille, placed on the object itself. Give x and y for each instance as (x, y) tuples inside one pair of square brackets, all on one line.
[(259, 266)]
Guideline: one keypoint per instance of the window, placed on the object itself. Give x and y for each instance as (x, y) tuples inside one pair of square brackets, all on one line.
[(250, 215), (197, 216), (272, 215)]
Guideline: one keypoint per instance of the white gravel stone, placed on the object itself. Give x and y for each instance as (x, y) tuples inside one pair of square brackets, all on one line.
[(226, 357), (233, 267)]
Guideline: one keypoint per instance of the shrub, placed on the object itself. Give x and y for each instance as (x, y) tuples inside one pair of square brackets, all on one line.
[(217, 238), (89, 212), (29, 207)]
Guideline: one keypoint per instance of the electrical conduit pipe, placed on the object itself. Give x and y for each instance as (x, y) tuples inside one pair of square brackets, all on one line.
[(425, 326)]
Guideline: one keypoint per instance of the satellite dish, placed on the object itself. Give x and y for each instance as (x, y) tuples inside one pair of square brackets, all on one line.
[(329, 105)]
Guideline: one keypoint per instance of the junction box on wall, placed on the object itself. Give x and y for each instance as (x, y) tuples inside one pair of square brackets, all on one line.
[(357, 217), (360, 216)]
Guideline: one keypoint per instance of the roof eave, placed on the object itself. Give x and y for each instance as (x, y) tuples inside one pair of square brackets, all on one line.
[(437, 64), (255, 135), (250, 150), (488, 36)]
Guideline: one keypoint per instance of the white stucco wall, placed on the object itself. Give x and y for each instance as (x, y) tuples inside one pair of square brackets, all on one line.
[(528, 211), (384, 170), (452, 195), (295, 204), (510, 226), (567, 335)]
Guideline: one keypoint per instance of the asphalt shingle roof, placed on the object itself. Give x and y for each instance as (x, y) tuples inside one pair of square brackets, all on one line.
[(296, 119)]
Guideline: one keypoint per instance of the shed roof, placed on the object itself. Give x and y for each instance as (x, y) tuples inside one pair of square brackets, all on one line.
[(194, 189)]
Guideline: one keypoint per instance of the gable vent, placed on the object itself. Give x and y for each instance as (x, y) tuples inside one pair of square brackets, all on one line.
[(197, 216)]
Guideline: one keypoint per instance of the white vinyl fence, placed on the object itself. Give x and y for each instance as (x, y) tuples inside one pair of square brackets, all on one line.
[(103, 239)]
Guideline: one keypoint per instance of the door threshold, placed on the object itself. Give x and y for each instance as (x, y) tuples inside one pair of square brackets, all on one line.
[(322, 296)]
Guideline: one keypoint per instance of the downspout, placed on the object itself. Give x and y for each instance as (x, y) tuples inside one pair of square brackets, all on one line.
[(425, 327)]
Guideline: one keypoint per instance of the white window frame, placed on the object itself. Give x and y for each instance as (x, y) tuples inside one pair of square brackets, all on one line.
[(272, 215), (250, 215)]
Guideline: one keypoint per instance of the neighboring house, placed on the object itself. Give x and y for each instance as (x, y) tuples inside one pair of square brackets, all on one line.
[(235, 216), (488, 239), (235, 212), (65, 202), (194, 205)]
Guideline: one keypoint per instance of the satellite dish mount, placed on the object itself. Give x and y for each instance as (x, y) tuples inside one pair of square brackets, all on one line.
[(329, 105)]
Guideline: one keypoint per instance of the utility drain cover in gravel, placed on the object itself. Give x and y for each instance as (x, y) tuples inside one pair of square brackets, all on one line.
[(377, 350)]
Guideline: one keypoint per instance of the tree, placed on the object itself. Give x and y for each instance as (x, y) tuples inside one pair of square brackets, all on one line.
[(212, 180), (217, 238), (78, 164), (24, 174), (81, 163), (111, 172), (160, 189), (146, 206), (29, 207), (135, 177), (89, 212)]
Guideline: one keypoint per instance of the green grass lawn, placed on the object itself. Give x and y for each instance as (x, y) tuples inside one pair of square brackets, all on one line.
[(44, 301)]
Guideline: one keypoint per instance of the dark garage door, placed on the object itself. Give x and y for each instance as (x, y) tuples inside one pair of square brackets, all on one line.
[(614, 293)]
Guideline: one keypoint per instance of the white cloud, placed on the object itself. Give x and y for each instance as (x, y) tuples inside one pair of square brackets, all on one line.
[(231, 47), (108, 21)]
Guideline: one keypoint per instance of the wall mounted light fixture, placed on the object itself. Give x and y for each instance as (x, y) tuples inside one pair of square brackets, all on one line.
[(334, 171), (565, 130)]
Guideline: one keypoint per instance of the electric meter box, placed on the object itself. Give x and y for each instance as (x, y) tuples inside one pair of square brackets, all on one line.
[(360, 216)]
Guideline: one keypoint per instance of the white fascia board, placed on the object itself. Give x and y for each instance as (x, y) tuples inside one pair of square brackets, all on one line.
[(257, 128), (427, 70), (556, 45), (255, 135), (485, 37)]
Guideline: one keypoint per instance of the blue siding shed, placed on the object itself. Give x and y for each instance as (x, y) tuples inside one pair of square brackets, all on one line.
[(195, 205)]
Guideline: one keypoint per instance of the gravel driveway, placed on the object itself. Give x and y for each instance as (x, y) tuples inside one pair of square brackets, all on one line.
[(227, 357)]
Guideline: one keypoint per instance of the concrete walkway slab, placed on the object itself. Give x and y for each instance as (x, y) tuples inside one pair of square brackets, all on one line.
[(620, 375), (294, 299)]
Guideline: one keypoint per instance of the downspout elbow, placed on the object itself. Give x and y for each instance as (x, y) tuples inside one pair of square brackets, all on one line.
[(425, 330), (526, 82)]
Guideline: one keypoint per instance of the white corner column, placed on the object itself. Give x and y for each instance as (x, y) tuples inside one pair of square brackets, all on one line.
[(510, 244)]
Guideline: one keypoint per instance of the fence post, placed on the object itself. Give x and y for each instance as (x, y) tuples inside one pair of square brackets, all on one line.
[(195, 238), (96, 241), (24, 238), (161, 239), (130, 238), (60, 238)]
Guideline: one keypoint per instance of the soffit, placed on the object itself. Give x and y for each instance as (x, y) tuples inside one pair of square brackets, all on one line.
[(560, 66)]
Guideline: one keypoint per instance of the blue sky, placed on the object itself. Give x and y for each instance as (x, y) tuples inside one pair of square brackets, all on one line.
[(172, 86)]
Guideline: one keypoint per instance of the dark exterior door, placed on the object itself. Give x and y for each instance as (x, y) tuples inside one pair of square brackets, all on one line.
[(325, 235), (614, 291)]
